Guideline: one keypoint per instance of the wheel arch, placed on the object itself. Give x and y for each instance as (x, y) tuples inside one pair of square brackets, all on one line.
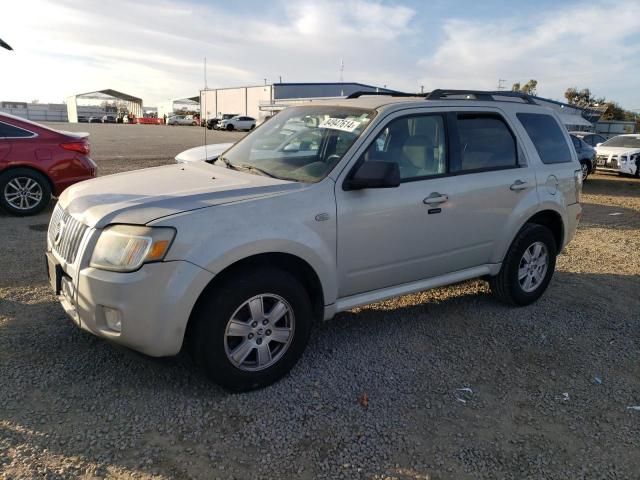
[(290, 263), (28, 166), (553, 221)]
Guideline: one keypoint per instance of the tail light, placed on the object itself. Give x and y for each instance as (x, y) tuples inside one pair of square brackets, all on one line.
[(80, 147)]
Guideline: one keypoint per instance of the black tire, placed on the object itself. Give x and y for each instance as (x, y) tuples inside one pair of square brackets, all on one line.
[(253, 126), (506, 286), (207, 340), (229, 127), (8, 179), (637, 174), (586, 169)]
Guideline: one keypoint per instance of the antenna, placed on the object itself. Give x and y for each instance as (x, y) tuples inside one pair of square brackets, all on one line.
[(204, 105), (341, 70), (501, 83)]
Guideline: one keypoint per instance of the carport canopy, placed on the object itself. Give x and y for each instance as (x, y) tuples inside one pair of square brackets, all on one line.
[(134, 104), (569, 119)]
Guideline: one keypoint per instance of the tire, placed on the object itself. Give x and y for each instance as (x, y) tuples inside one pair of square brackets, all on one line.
[(586, 169), (211, 345), (637, 174), (229, 127), (506, 286), (34, 185), (252, 126)]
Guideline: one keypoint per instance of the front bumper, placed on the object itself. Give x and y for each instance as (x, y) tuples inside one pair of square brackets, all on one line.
[(153, 303), (628, 168)]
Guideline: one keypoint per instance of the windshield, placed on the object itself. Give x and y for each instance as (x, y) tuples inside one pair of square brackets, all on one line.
[(302, 144), (621, 141)]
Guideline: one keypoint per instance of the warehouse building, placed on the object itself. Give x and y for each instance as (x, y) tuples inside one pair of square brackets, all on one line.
[(263, 100)]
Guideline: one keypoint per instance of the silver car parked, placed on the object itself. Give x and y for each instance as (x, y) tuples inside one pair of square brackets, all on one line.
[(376, 196)]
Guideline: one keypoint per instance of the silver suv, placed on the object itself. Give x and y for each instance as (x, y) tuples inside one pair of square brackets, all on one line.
[(326, 207)]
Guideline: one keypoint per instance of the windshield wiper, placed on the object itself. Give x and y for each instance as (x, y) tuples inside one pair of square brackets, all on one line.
[(227, 162), (246, 166)]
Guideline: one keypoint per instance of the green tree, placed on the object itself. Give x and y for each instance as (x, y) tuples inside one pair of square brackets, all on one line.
[(529, 88)]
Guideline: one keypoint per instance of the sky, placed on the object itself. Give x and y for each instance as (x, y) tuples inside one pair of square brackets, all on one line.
[(155, 49)]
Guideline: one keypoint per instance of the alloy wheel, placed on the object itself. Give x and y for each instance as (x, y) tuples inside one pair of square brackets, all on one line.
[(259, 332), (533, 267), (23, 193)]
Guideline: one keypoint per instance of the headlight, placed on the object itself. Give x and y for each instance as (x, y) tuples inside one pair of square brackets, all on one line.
[(125, 248)]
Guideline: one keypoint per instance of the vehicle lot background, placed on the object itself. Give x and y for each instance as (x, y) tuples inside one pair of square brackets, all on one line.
[(551, 382)]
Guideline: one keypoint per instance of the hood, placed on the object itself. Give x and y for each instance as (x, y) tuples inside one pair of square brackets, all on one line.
[(617, 150), (141, 196), (206, 153)]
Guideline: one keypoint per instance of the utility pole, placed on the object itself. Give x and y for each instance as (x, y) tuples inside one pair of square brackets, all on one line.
[(341, 70), (421, 88), (501, 83)]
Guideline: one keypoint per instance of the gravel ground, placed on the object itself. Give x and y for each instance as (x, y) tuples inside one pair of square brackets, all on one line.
[(442, 384)]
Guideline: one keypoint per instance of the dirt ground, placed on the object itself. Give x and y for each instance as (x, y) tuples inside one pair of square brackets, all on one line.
[(458, 386)]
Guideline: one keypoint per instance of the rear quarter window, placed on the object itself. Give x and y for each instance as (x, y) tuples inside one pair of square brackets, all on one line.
[(547, 137), (9, 131)]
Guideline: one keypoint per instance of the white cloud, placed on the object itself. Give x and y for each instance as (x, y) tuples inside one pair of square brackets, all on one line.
[(154, 49), (590, 46)]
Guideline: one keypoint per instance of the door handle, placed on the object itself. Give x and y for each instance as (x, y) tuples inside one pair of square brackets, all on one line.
[(435, 198), (519, 185)]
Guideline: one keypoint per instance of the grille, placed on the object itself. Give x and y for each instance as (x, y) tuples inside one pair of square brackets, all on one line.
[(65, 234)]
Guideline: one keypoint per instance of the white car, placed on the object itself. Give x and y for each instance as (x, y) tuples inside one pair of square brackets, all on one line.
[(237, 123), (181, 120), (622, 153), (238, 259), (206, 153)]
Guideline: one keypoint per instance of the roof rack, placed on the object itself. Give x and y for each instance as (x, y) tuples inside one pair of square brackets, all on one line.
[(477, 95), (362, 93)]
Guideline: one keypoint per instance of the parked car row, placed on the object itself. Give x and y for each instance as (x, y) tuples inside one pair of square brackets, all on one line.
[(182, 120), (231, 122)]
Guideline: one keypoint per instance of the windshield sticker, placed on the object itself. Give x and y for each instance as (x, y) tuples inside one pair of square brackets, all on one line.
[(343, 124)]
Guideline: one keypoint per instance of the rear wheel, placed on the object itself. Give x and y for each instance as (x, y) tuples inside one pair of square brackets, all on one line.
[(528, 267), (585, 167), (252, 330), (24, 191)]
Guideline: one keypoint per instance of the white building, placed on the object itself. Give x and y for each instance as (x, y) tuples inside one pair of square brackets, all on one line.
[(262, 100)]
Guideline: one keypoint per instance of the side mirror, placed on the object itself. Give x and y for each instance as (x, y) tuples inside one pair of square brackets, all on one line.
[(373, 174)]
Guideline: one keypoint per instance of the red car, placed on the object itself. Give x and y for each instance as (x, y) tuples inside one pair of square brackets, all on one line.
[(38, 162)]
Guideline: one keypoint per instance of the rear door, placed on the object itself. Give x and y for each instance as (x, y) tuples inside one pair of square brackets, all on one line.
[(557, 160)]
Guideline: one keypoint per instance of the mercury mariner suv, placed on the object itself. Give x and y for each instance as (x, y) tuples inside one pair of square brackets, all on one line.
[(328, 206)]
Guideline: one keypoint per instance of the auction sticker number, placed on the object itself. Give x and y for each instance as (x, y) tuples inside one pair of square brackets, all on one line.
[(340, 124)]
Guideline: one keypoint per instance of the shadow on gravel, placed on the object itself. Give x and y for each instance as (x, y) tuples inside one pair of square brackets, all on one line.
[(611, 184), (82, 397), (607, 216)]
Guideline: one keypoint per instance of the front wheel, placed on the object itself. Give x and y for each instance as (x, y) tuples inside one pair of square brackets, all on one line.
[(528, 267), (229, 127), (252, 330), (24, 192)]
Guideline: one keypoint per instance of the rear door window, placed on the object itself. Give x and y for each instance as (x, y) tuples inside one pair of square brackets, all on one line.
[(485, 142), (547, 137)]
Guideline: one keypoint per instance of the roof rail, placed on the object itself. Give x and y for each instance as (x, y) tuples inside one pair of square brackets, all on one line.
[(478, 95), (362, 93)]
